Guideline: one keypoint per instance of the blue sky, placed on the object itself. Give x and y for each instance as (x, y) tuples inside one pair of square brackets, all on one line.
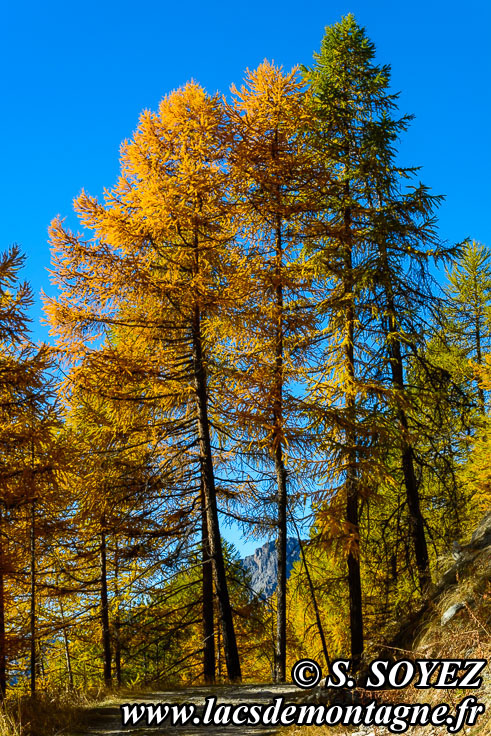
[(77, 75)]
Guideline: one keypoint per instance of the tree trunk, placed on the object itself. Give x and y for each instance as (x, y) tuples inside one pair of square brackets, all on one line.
[(417, 529), (106, 636), (280, 646), (207, 475), (67, 648), (117, 620), (352, 494), (3, 667), (318, 621), (280, 649), (219, 650), (32, 615), (207, 590), (354, 575)]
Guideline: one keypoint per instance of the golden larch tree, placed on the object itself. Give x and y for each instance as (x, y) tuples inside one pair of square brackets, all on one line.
[(156, 269)]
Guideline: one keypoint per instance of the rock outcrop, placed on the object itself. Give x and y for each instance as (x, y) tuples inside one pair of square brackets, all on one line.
[(263, 568)]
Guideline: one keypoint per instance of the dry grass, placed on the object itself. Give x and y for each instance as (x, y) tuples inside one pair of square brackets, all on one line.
[(56, 713), (9, 723), (45, 715)]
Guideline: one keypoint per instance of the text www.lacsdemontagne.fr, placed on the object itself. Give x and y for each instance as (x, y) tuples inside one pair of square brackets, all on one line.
[(396, 717)]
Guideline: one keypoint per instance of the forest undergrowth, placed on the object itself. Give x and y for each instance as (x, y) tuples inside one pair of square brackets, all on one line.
[(467, 635), (47, 713)]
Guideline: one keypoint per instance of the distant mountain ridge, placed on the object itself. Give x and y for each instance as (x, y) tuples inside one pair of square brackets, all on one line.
[(263, 566)]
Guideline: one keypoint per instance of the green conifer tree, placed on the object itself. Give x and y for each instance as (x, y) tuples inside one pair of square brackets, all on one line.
[(373, 239), (467, 318)]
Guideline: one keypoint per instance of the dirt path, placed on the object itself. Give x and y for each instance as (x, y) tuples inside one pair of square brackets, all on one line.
[(106, 720)]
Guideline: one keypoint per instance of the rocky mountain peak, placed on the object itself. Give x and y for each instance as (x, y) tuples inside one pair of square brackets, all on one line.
[(263, 567)]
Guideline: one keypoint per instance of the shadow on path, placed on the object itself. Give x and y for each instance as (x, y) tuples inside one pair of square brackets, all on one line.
[(106, 720)]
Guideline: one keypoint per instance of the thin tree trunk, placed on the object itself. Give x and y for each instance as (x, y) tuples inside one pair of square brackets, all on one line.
[(281, 485), (313, 596), (352, 494), (67, 648), (209, 490), (117, 648), (354, 575), (219, 650), (33, 598), (417, 529), (207, 475), (207, 591), (40, 661), (3, 668), (117, 620), (106, 636), (280, 647)]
